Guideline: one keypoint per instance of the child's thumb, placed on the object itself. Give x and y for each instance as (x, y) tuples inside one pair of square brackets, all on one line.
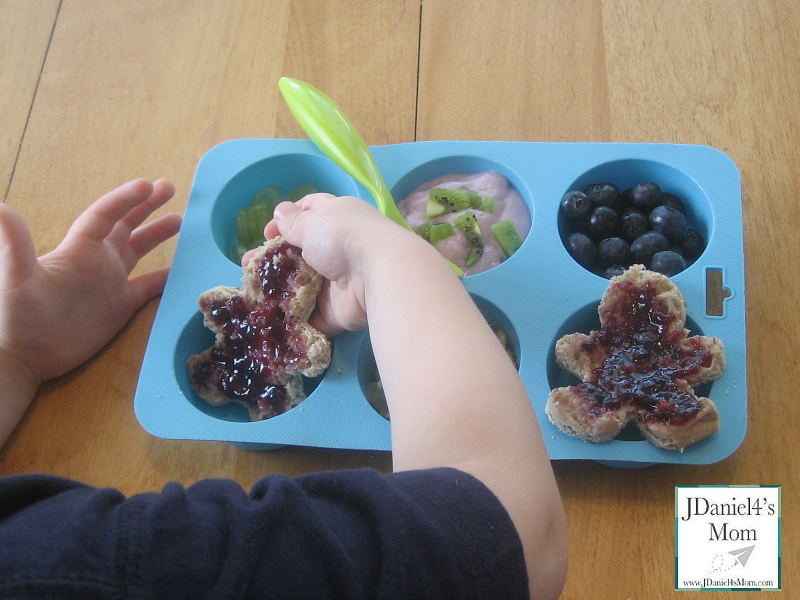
[(284, 216), (17, 252)]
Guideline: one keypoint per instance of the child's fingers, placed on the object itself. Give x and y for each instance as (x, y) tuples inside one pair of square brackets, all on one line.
[(311, 201), (17, 252), (270, 231), (336, 314), (145, 238), (147, 286), (323, 323), (289, 218), (248, 256), (97, 221), (163, 190), (283, 218)]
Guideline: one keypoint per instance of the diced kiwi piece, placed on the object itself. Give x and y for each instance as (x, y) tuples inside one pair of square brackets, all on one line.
[(423, 230), (434, 208), (443, 200), (269, 195), (473, 256), (467, 223), (441, 231), (505, 232), (485, 203), (303, 190), (455, 200)]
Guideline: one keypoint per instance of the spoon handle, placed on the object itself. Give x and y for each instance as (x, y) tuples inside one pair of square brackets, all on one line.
[(334, 134), (331, 130)]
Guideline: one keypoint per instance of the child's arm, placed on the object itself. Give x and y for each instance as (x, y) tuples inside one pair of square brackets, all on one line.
[(58, 310), (455, 398)]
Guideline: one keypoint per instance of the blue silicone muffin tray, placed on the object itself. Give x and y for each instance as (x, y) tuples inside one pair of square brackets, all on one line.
[(536, 296)]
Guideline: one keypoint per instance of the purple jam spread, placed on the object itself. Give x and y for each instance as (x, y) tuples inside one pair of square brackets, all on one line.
[(642, 360), (258, 344)]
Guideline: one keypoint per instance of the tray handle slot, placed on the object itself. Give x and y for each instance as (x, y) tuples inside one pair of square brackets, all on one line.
[(716, 293)]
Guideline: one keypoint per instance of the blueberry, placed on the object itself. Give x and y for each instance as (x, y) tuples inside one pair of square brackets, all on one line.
[(673, 201), (667, 263), (647, 245), (603, 222), (613, 251), (693, 244), (626, 198), (610, 230), (633, 223), (576, 206), (669, 222), (581, 226), (604, 194), (646, 196), (582, 249)]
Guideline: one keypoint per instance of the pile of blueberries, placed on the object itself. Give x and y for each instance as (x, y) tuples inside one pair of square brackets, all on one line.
[(609, 231)]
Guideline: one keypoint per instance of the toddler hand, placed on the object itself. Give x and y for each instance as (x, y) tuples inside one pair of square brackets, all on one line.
[(60, 309), (340, 237)]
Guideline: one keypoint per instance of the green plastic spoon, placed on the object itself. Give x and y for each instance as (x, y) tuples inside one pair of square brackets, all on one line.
[(335, 135)]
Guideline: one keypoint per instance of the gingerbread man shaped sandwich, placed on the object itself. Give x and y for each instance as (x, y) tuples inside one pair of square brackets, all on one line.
[(641, 367), (264, 344)]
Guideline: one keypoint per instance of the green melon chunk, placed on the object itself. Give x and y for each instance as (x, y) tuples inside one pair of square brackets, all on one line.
[(238, 252), (269, 195), (242, 226), (302, 191), (259, 215), (253, 218)]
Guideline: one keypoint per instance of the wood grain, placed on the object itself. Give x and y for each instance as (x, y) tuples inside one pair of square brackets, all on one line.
[(530, 71), (25, 30)]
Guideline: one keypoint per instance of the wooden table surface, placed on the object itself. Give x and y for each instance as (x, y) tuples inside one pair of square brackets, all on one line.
[(91, 97)]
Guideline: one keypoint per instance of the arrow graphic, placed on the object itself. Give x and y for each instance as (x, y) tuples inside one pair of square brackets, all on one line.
[(742, 555)]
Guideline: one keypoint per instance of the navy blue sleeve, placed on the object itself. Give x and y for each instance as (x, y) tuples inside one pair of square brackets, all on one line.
[(355, 534)]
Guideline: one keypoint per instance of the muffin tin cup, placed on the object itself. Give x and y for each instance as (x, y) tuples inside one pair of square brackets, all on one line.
[(537, 295)]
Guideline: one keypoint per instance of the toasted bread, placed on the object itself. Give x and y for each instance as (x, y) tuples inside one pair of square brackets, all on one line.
[(640, 367), (264, 343)]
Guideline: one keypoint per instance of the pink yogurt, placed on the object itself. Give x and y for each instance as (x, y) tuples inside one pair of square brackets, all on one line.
[(508, 205)]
